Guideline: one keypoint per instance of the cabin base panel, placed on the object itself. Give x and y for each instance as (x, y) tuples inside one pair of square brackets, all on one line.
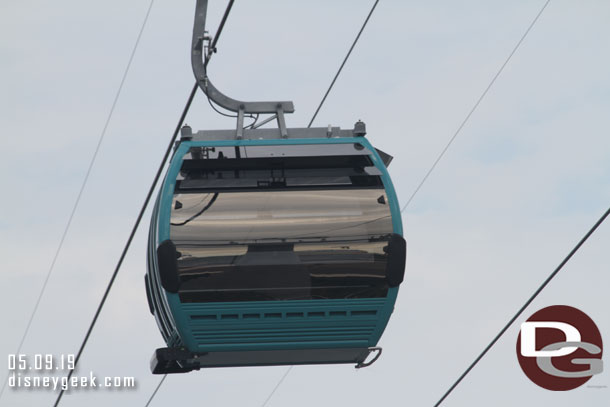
[(177, 360)]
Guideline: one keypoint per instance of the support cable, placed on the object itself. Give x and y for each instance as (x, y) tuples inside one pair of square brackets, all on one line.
[(466, 119), (457, 132), (131, 236), (279, 383), (527, 303), (208, 56), (82, 188), (476, 105), (343, 63), (156, 390), (211, 50)]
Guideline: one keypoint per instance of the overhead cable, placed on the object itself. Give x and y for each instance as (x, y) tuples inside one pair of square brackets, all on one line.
[(152, 396), (211, 50), (332, 83), (475, 106), (308, 126), (527, 303), (82, 188), (131, 236)]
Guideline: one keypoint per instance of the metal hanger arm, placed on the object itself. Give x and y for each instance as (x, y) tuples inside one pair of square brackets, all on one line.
[(199, 69)]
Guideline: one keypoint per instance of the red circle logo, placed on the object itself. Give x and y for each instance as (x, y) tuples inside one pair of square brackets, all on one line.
[(560, 348)]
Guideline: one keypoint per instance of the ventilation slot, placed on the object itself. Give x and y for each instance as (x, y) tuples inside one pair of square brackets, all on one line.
[(255, 335), (357, 313), (206, 317)]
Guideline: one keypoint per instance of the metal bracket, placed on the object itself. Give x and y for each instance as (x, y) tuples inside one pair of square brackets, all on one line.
[(364, 363), (281, 123), (199, 69), (240, 123)]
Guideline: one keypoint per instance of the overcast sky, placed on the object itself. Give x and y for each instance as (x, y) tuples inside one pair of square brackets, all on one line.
[(526, 178)]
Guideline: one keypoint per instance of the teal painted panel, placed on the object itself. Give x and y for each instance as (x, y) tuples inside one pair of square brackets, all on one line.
[(262, 325), (278, 324)]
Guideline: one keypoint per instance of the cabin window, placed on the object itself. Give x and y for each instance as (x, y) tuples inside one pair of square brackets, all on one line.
[(249, 225)]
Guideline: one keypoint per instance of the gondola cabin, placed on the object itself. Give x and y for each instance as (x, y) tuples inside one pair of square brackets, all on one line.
[(271, 250)]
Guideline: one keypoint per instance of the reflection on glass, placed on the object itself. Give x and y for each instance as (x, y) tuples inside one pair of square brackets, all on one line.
[(278, 243)]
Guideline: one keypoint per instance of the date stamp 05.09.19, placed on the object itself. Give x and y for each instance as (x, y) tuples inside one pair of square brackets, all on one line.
[(47, 371)]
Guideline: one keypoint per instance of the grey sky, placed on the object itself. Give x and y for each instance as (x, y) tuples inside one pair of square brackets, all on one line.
[(527, 177)]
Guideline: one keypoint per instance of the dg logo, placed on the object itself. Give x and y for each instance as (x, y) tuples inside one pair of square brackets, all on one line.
[(560, 348)]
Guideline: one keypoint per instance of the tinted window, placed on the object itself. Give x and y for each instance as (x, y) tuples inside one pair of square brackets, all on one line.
[(251, 234)]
